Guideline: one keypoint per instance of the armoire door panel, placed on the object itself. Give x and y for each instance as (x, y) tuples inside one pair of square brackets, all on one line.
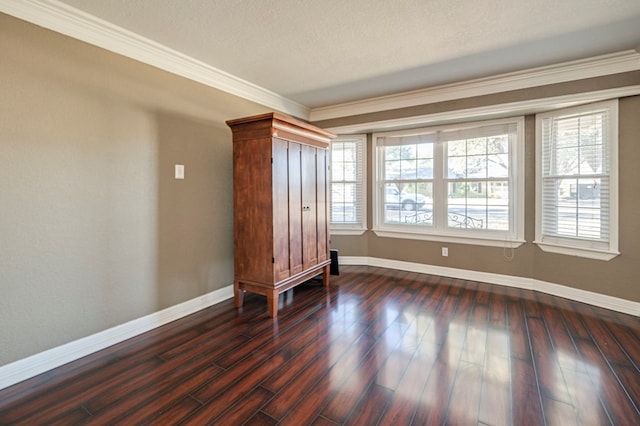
[(322, 206), (253, 210), (296, 212), (280, 173), (309, 214)]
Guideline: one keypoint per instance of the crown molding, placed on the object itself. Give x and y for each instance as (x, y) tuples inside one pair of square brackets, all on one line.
[(62, 18), (614, 63), (532, 106), (67, 20)]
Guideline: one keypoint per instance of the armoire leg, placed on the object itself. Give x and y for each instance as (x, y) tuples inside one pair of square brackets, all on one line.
[(238, 295), (325, 275), (272, 302)]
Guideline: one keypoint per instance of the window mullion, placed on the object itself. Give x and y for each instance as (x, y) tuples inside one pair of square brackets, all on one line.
[(439, 187)]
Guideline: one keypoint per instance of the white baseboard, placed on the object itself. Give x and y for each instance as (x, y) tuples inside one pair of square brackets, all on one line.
[(39, 363), (26, 368), (595, 299)]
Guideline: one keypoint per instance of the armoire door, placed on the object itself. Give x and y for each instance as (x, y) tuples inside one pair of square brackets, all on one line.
[(310, 209), (296, 208), (280, 177)]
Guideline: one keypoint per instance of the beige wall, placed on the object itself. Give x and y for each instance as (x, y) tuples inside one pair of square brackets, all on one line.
[(618, 277), (94, 230)]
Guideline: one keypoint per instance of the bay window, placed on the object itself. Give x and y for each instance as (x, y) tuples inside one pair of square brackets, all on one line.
[(460, 183)]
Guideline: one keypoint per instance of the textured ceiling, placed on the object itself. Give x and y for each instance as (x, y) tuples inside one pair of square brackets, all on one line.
[(321, 53)]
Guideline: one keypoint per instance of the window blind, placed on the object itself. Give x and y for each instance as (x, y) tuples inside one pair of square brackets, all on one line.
[(432, 136), (576, 186), (348, 181)]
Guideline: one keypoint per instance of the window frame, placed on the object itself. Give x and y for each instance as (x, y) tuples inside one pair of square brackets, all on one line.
[(581, 247), (512, 238), (358, 227)]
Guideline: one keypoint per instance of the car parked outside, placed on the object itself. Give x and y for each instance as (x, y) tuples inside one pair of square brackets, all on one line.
[(407, 201)]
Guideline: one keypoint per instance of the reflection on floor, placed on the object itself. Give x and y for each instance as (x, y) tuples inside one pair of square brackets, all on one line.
[(379, 347)]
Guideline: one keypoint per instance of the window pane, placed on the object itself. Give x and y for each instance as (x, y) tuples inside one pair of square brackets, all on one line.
[(392, 170), (477, 166), (498, 144), (479, 205), (349, 170), (343, 213), (457, 167), (408, 169), (456, 148), (392, 199), (574, 208), (337, 171), (567, 161), (579, 160), (425, 189), (498, 165), (477, 146), (590, 159), (416, 162), (392, 152), (408, 151), (343, 202), (343, 161), (498, 205), (408, 203), (425, 169), (471, 158), (425, 150)]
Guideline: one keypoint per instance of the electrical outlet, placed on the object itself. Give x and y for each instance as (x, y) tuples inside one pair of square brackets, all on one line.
[(445, 251)]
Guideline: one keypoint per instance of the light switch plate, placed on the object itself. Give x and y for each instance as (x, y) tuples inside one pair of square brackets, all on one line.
[(179, 171)]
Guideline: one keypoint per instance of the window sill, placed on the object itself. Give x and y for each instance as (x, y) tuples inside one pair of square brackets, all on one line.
[(576, 251), (346, 231), (478, 241)]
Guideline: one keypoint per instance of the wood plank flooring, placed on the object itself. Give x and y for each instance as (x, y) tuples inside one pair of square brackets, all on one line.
[(379, 347)]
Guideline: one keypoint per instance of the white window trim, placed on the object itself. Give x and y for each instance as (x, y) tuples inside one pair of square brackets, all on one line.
[(568, 246), (361, 228), (483, 238), (347, 230)]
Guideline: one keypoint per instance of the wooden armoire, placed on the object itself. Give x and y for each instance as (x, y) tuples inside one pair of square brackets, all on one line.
[(280, 196)]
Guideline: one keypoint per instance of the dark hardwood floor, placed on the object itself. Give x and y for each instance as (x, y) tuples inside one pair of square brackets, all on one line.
[(380, 347)]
